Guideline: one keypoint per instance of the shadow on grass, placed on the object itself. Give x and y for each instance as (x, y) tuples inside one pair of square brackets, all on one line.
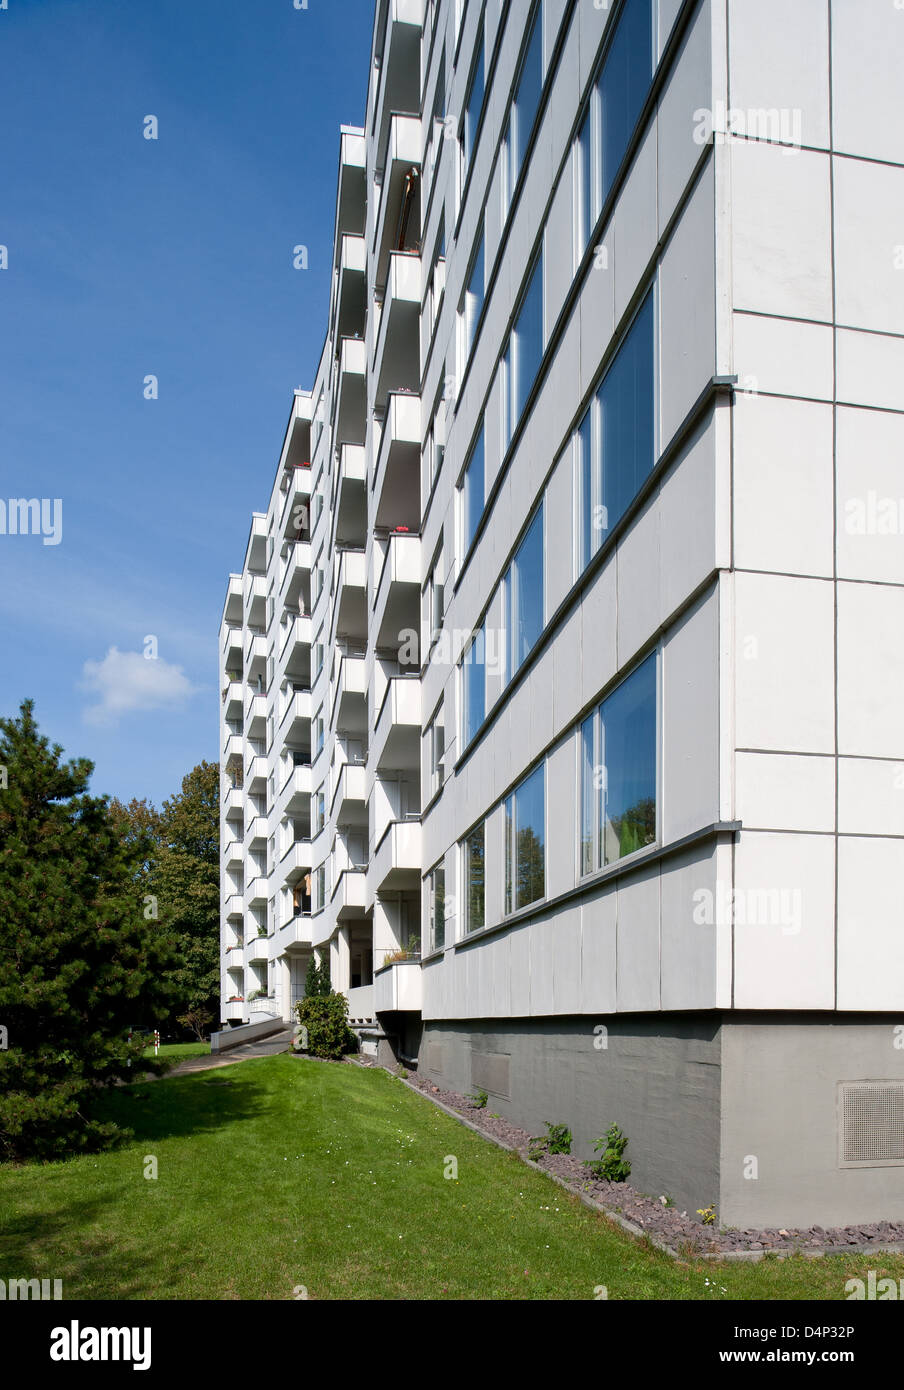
[(66, 1241), (180, 1105)]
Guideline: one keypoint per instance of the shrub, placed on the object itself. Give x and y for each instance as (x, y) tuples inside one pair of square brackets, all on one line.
[(612, 1167), (479, 1098), (317, 980), (556, 1141), (326, 1018)]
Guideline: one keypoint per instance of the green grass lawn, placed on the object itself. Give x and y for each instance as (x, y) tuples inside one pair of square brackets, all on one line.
[(178, 1052), (277, 1173)]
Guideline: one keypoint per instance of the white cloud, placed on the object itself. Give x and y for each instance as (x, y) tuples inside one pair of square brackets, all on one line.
[(127, 681)]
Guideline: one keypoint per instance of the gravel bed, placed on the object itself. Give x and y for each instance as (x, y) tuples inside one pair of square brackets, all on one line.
[(682, 1231)]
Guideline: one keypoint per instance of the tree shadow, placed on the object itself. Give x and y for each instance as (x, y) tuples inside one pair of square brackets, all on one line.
[(179, 1106)]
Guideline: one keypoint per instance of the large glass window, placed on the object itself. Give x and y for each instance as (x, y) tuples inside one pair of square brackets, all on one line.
[(527, 342), (623, 85), (618, 772), (437, 750), (524, 596), (525, 842), (527, 98), (436, 887), (474, 851), (474, 686), (616, 438), (474, 298), (586, 207), (473, 107), (473, 495)]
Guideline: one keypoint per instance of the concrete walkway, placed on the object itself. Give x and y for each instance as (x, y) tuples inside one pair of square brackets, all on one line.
[(266, 1047)]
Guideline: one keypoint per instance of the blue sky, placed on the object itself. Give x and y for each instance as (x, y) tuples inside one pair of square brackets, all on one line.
[(127, 258)]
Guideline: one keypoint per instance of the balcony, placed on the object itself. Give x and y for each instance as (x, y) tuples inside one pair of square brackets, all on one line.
[(398, 598), (398, 987), (295, 650), (255, 601), (255, 714), (350, 503), (257, 949), (256, 774), (399, 206), (347, 897), (232, 700), (296, 862), (296, 718), (397, 475), (351, 392), (264, 1006), (235, 906), (351, 288), (349, 710), (397, 738), (232, 607), (350, 797), (295, 581), (233, 1011), (297, 500), (232, 645), (361, 1004), (256, 549), (233, 855), (350, 602), (295, 932), (397, 365), (234, 957), (256, 831), (255, 652), (233, 803), (398, 39), (350, 202), (256, 892), (295, 793), (396, 861), (233, 748)]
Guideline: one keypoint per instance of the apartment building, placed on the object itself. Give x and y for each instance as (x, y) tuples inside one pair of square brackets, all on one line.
[(562, 681)]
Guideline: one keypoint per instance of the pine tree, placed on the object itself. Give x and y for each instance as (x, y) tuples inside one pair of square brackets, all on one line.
[(317, 980), (80, 966)]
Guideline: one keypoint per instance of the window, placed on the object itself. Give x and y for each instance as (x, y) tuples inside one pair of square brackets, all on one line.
[(473, 108), (474, 686), (586, 210), (525, 842), (523, 596), (616, 439), (436, 736), (473, 852), (436, 888), (318, 732), (473, 300), (524, 353), (473, 495), (527, 99), (434, 598), (320, 880), (318, 811), (618, 772), (623, 85), (436, 444)]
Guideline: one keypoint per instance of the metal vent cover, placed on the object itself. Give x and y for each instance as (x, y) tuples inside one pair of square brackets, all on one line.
[(872, 1123)]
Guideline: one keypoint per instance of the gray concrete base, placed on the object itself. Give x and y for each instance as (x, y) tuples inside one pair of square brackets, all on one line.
[(743, 1112), (657, 1078)]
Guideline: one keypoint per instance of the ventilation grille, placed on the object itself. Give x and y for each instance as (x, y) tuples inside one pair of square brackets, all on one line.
[(872, 1122)]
